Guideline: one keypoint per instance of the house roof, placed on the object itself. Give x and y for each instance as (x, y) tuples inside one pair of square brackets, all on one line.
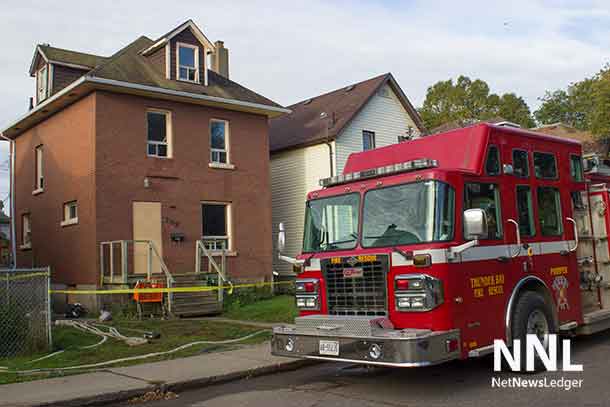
[(161, 41), (590, 144), (305, 125), (129, 71), (129, 65), (65, 57)]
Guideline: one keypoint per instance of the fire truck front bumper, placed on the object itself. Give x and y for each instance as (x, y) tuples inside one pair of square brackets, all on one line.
[(365, 340)]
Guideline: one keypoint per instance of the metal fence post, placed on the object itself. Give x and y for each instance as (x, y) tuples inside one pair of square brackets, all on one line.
[(49, 325)]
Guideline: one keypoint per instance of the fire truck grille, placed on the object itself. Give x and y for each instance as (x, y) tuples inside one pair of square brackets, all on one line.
[(356, 287)]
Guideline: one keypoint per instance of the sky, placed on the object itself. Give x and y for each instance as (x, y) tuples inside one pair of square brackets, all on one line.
[(292, 50)]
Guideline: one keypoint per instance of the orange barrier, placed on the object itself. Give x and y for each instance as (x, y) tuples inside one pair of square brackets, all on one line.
[(148, 297)]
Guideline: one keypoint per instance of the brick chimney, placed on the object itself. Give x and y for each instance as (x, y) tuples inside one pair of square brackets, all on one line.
[(220, 59)]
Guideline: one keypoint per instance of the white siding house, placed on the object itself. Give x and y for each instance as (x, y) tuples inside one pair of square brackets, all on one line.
[(297, 164)]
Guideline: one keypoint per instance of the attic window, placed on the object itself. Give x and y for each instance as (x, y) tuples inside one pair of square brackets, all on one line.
[(42, 79), (188, 62)]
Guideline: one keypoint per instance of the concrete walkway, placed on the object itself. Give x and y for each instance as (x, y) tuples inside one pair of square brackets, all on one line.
[(112, 385)]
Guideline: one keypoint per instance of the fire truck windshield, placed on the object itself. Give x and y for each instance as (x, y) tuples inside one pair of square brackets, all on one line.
[(407, 214), (331, 223)]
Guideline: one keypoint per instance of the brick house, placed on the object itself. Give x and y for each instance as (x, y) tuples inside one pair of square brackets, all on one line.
[(154, 142)]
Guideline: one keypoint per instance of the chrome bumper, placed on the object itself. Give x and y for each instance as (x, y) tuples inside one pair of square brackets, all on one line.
[(399, 347)]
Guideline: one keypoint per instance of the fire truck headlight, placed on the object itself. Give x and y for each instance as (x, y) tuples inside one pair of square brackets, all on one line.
[(417, 292)]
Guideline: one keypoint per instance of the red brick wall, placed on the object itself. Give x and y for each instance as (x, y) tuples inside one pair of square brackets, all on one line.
[(122, 165), (67, 138)]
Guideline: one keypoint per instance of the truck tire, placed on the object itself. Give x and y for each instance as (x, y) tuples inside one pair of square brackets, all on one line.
[(532, 315)]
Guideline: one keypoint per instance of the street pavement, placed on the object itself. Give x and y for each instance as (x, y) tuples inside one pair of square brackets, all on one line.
[(464, 383)]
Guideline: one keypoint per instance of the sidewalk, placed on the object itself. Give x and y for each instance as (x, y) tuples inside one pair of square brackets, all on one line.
[(113, 385)]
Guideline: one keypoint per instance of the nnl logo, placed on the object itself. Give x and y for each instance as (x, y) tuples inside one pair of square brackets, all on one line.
[(533, 346)]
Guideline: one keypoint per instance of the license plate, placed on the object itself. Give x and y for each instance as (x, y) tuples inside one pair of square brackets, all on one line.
[(354, 272), (330, 348)]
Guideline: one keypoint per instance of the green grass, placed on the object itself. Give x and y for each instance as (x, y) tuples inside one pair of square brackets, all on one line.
[(277, 309), (174, 333)]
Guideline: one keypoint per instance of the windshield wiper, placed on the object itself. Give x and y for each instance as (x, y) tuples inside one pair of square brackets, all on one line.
[(404, 254)]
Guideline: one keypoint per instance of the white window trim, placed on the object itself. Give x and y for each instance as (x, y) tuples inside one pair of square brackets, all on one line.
[(39, 172), (168, 54), (25, 245), (229, 219), (66, 220), (194, 47), (46, 84), (227, 149), (168, 131)]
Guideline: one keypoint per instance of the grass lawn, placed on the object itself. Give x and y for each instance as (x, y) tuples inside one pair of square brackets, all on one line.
[(174, 333), (277, 309)]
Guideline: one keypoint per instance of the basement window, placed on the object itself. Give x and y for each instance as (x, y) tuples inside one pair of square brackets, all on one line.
[(158, 142), (70, 213), (216, 226), (188, 61)]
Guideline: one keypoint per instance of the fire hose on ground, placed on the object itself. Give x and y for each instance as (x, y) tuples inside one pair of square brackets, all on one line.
[(114, 334)]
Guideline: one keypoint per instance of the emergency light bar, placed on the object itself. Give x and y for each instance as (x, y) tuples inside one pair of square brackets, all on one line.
[(419, 164)]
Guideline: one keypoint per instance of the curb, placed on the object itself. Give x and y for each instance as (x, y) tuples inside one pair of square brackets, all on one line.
[(117, 397)]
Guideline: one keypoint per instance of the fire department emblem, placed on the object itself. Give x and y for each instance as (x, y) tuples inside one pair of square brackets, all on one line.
[(560, 285), (352, 261)]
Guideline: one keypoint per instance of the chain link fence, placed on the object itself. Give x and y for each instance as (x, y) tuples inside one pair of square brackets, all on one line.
[(25, 311)]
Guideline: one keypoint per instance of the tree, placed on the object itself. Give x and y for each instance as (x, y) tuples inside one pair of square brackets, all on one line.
[(467, 101), (572, 106), (600, 112)]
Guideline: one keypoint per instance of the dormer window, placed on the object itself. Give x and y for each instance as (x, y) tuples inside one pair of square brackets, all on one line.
[(188, 62), (42, 79)]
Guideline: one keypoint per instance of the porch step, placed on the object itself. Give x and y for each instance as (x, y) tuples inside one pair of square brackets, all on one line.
[(194, 303)]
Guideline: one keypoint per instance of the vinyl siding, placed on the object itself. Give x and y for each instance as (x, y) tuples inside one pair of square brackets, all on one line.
[(385, 116), (294, 173)]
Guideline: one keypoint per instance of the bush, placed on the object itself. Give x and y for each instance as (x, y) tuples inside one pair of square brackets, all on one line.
[(245, 296)]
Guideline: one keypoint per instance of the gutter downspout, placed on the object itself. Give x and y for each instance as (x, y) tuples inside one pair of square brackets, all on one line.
[(330, 156), (12, 200)]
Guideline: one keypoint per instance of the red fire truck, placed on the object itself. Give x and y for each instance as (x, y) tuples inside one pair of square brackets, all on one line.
[(428, 250)]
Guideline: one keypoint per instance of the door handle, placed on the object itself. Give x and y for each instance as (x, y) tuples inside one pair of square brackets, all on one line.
[(518, 233), (573, 249)]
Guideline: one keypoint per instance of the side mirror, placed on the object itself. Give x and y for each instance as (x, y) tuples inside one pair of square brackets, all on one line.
[(281, 238), (475, 223)]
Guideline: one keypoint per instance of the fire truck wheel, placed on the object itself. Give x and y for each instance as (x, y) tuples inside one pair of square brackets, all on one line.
[(532, 315)]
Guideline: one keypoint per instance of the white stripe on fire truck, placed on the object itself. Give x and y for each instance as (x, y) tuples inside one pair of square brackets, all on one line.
[(477, 253)]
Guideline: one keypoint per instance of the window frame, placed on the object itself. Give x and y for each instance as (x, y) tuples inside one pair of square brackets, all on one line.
[(559, 215), (195, 49), (500, 226), (582, 169), (228, 227), (362, 203), (527, 158), (40, 96), (38, 169), (555, 161), (227, 149), (531, 209), (372, 139), (497, 149), (168, 134), (67, 219), (26, 243)]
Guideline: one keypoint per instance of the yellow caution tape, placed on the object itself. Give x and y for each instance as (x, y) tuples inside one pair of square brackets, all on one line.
[(192, 289)]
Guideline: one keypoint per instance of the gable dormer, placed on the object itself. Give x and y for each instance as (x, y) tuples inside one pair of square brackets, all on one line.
[(55, 68), (182, 54)]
